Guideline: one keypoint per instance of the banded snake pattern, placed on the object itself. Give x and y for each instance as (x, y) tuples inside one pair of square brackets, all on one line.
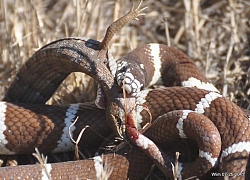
[(220, 128)]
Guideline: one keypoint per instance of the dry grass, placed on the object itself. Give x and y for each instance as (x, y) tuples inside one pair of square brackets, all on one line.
[(213, 33)]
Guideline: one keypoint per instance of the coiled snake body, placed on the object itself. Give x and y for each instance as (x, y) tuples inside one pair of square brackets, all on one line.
[(197, 112)]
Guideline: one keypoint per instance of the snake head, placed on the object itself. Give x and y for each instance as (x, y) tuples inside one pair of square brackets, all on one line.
[(118, 111)]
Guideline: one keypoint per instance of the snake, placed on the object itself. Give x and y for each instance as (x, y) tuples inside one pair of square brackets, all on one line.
[(188, 106)]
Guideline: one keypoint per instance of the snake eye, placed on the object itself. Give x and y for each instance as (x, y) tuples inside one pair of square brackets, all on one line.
[(121, 127), (124, 68), (118, 126)]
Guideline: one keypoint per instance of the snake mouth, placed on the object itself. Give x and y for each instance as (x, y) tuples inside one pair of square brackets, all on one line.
[(124, 109)]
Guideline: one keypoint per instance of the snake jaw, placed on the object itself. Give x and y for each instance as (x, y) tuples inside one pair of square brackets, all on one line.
[(131, 130), (118, 113)]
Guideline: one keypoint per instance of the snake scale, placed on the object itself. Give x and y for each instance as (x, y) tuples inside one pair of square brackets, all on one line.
[(189, 107)]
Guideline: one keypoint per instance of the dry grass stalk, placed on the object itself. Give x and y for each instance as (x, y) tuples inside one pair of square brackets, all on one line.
[(76, 142), (42, 161), (107, 170), (175, 168)]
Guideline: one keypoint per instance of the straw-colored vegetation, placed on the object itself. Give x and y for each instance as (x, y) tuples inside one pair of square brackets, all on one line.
[(215, 34)]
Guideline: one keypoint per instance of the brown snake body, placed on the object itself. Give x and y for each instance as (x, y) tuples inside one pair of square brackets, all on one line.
[(219, 127)]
